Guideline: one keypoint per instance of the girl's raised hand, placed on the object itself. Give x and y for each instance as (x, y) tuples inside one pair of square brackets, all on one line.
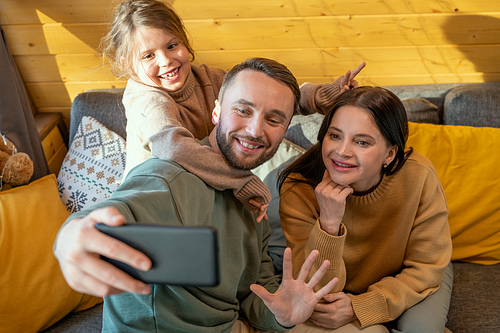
[(331, 200), (348, 81)]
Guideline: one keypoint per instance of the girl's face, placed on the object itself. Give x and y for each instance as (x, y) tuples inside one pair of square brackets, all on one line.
[(163, 60), (354, 149)]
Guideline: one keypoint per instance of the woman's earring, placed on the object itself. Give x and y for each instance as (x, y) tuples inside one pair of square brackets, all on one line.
[(384, 166)]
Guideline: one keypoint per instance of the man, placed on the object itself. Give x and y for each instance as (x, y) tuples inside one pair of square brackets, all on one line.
[(256, 103)]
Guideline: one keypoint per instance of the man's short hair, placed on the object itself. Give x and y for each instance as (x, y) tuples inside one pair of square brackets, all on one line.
[(271, 68)]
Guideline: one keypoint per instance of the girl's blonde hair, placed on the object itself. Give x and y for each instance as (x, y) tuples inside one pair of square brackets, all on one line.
[(120, 43)]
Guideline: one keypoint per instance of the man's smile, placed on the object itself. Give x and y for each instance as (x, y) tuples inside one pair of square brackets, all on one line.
[(249, 145)]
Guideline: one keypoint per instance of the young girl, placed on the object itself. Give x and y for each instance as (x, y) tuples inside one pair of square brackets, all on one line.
[(169, 101), (375, 210)]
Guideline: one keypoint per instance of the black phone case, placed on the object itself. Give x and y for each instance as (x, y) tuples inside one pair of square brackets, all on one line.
[(183, 255)]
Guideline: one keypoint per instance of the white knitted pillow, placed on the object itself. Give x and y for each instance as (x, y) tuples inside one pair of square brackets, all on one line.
[(93, 168)]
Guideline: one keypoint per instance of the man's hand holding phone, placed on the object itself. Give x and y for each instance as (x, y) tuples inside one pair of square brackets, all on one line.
[(181, 255), (79, 247)]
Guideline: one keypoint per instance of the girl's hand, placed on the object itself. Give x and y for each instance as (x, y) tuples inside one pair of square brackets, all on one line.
[(331, 200), (337, 312), (260, 208), (348, 81)]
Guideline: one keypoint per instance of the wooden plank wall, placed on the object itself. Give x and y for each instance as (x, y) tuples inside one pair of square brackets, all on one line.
[(55, 42)]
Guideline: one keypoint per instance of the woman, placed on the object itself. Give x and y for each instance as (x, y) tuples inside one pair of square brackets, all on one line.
[(375, 210)]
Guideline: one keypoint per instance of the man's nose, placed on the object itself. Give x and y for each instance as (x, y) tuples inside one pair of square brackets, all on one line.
[(256, 127)]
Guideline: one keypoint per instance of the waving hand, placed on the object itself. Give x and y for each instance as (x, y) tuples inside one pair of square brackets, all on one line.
[(295, 300)]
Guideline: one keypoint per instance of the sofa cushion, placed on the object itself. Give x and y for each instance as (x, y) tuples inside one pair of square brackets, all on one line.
[(93, 167), (475, 104), (474, 301), (88, 321), (420, 110), (466, 161), (434, 93), (303, 130), (34, 293)]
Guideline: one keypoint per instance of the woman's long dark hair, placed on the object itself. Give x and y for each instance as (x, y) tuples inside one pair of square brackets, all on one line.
[(390, 117)]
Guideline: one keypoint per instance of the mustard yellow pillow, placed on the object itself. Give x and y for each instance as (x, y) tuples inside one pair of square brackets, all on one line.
[(466, 160), (33, 292)]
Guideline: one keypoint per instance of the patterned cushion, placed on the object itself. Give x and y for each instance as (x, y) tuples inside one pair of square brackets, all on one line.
[(303, 130), (93, 167)]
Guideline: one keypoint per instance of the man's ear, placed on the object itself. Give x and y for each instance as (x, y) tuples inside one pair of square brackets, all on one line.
[(216, 113)]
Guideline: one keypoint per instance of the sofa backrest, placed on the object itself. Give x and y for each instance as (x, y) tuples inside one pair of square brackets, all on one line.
[(104, 105), (469, 104), (434, 93), (473, 104)]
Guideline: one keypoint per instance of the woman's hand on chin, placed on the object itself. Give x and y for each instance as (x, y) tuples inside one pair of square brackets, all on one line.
[(331, 200)]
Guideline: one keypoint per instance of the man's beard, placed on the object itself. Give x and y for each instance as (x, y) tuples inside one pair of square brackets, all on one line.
[(232, 158)]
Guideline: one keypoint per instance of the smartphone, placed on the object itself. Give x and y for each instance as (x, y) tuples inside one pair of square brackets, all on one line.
[(181, 255)]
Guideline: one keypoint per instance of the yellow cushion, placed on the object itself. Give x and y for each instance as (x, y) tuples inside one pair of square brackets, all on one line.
[(33, 292), (466, 160)]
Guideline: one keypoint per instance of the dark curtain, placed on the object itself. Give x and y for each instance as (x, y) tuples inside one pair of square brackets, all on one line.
[(16, 118)]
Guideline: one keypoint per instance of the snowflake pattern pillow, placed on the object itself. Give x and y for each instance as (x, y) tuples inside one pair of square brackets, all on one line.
[(93, 168)]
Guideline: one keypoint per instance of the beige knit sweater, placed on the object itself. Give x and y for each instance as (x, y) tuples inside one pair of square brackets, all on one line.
[(394, 242)]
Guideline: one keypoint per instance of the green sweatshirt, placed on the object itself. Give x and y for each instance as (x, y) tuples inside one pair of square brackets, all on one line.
[(161, 192)]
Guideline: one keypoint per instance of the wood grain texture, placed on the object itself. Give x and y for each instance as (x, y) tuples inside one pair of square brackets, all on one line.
[(277, 33), (381, 61), (60, 94), (98, 11), (55, 44)]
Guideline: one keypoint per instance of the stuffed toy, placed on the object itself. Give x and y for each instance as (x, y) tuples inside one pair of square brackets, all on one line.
[(15, 168)]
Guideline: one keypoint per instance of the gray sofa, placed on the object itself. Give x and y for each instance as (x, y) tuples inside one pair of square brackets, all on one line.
[(475, 303)]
